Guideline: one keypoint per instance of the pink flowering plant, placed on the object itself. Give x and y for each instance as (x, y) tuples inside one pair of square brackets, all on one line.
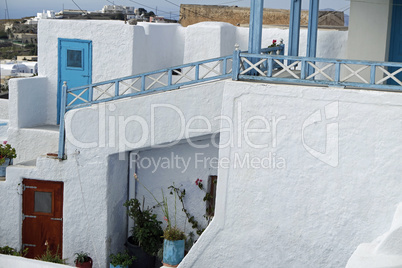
[(274, 44), (6, 151)]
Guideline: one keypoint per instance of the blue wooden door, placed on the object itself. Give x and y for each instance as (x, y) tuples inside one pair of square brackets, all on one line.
[(75, 67), (395, 47)]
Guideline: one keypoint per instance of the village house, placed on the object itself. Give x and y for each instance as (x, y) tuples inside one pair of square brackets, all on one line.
[(303, 138)]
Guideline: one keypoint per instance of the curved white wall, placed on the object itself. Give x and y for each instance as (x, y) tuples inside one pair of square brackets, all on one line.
[(334, 184)]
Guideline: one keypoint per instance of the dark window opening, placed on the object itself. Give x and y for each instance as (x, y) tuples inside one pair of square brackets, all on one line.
[(176, 71), (74, 58), (211, 195)]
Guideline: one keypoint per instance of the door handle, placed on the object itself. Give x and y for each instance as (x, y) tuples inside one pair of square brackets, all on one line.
[(85, 75)]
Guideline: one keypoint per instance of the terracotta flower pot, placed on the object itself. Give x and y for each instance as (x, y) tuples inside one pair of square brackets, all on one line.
[(87, 264)]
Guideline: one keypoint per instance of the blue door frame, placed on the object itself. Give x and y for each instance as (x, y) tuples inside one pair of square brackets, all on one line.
[(74, 66)]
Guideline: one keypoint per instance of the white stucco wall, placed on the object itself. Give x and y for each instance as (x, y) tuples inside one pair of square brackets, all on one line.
[(112, 51), (99, 137), (117, 192), (85, 204), (96, 177), (179, 165), (28, 112), (4, 109), (301, 210), (28, 102)]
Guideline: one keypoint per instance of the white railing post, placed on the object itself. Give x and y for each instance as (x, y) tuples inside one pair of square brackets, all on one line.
[(236, 63)]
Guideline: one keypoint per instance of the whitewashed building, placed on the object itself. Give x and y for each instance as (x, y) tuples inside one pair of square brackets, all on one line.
[(18, 68), (307, 169)]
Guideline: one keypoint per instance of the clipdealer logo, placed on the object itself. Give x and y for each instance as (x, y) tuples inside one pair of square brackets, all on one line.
[(327, 115)]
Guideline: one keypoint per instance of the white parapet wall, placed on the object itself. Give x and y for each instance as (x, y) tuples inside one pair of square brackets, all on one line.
[(7, 261), (314, 172)]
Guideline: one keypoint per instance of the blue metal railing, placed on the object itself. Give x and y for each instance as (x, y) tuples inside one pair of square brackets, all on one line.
[(330, 72), (271, 66), (155, 81)]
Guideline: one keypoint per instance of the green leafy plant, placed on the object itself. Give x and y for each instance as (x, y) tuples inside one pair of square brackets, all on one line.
[(122, 259), (171, 230), (147, 231), (6, 250), (173, 233), (82, 257), (50, 257), (6, 151), (208, 198)]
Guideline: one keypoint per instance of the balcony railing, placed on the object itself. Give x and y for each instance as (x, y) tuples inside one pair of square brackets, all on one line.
[(146, 83), (330, 72), (271, 66)]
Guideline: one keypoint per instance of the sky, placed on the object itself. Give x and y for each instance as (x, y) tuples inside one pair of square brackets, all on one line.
[(167, 8)]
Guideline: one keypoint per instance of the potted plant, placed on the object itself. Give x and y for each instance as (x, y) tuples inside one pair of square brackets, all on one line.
[(146, 238), (173, 246), (174, 238), (83, 260), (121, 260), (7, 153)]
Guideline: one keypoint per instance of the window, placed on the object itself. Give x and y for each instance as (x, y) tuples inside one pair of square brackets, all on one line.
[(43, 202), (74, 58), (211, 196)]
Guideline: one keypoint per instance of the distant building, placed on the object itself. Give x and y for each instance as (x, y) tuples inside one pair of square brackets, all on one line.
[(48, 14), (26, 38), (15, 69), (118, 9), (157, 19)]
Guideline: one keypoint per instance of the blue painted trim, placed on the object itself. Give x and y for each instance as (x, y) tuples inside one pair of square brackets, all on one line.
[(170, 73), (3, 124), (372, 74), (236, 65), (294, 28), (312, 33), (59, 88), (337, 72), (336, 82), (256, 18), (255, 29), (116, 89)]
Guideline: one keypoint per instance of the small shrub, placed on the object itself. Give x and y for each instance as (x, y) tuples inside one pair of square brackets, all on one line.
[(173, 234), (82, 257), (50, 257), (10, 251), (122, 259)]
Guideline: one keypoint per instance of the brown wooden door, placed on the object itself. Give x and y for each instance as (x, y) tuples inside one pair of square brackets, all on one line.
[(42, 208)]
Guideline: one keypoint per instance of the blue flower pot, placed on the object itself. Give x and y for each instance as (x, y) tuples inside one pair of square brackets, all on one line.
[(4, 166), (118, 266), (173, 251)]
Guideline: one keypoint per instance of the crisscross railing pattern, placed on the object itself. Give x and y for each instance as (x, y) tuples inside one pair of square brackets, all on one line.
[(161, 80), (290, 69)]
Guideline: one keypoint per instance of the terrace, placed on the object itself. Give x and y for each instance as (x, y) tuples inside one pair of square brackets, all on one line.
[(257, 64)]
